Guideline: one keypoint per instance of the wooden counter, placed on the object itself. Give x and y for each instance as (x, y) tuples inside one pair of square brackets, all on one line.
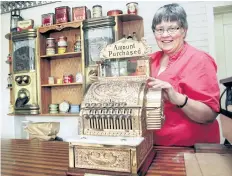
[(33, 158)]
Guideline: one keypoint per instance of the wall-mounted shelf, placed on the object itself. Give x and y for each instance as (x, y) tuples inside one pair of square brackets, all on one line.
[(64, 84), (129, 17), (58, 65), (65, 55), (60, 27), (60, 114)]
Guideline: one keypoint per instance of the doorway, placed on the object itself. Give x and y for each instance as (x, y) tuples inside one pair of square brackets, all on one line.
[(223, 49)]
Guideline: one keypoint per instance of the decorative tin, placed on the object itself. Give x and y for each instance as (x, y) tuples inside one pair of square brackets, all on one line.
[(79, 77), (59, 81), (50, 50), (54, 108), (25, 25), (97, 11), (68, 79), (79, 13), (114, 12), (74, 108), (132, 8), (48, 19), (62, 14), (64, 107), (51, 80)]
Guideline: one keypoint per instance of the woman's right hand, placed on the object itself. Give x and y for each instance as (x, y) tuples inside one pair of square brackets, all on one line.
[(168, 91)]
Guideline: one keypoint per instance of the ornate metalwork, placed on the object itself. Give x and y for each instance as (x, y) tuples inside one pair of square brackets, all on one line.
[(7, 6), (113, 157), (124, 90), (114, 108), (144, 148), (103, 158)]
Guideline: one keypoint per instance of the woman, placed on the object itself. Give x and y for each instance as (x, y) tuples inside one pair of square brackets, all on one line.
[(188, 79)]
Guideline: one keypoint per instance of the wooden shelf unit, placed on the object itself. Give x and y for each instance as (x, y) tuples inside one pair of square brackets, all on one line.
[(58, 65), (70, 62), (127, 24), (65, 55), (10, 65), (63, 84), (59, 114)]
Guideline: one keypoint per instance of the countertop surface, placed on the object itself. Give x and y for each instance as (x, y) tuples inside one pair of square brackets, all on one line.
[(21, 157)]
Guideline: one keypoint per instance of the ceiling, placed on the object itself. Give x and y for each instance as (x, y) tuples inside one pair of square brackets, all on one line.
[(7, 6)]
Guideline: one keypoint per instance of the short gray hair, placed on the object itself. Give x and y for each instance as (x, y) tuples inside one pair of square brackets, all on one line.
[(170, 12)]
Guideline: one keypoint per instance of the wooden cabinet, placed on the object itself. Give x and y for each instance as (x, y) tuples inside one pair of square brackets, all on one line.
[(69, 63), (58, 65)]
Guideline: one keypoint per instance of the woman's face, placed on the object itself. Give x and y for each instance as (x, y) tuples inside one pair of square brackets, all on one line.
[(169, 37)]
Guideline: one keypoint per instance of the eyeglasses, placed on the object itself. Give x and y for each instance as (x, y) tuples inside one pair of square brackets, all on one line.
[(170, 30)]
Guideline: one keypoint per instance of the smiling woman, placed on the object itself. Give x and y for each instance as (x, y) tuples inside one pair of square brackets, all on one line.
[(170, 26), (188, 79)]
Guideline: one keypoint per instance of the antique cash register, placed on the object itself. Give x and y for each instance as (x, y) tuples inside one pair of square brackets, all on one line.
[(118, 114)]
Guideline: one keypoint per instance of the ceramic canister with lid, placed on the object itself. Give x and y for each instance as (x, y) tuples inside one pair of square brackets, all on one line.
[(132, 8), (62, 44)]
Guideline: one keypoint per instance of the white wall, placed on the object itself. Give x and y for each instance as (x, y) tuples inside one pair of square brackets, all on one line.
[(200, 35)]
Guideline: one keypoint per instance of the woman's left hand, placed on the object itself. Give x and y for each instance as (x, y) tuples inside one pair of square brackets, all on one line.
[(168, 91)]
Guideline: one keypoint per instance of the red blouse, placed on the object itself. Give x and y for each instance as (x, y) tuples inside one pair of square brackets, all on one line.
[(193, 73)]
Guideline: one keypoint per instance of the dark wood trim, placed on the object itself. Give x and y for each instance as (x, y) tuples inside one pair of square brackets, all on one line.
[(226, 81)]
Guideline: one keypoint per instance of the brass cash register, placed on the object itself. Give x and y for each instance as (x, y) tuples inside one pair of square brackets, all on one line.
[(118, 114)]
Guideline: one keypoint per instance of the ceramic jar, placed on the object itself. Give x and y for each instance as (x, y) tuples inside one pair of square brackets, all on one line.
[(62, 44), (97, 11), (132, 8)]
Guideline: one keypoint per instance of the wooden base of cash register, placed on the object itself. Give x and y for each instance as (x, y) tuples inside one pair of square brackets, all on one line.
[(141, 172)]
